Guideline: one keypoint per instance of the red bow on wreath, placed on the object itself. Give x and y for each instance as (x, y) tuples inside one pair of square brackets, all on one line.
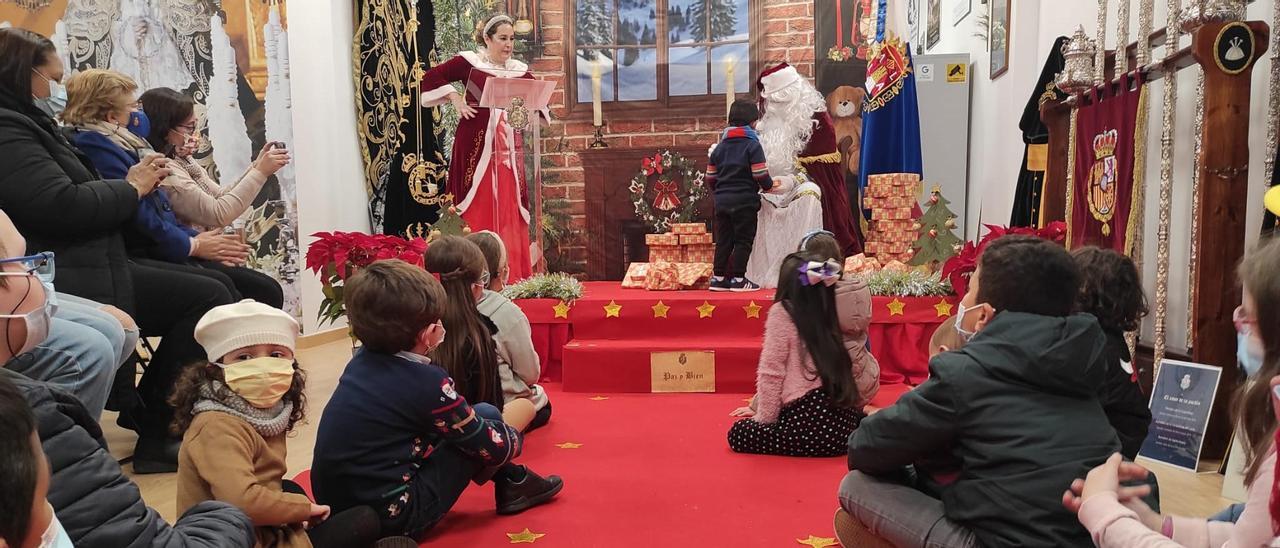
[(653, 165), (666, 200)]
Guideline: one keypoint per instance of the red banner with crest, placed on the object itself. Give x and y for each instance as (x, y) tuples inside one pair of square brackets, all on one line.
[(1107, 169)]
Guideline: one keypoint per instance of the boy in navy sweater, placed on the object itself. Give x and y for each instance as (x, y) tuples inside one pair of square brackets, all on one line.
[(396, 435), (736, 173)]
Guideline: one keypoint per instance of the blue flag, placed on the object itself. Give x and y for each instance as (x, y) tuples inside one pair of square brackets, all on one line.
[(890, 115)]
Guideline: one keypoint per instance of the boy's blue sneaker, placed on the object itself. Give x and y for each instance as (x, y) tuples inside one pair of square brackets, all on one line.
[(742, 285), (719, 283)]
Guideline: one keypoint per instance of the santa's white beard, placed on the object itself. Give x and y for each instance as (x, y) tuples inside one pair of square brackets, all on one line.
[(787, 125)]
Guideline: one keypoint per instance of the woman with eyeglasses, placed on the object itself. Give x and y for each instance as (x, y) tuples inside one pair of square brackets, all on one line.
[(198, 200), (1116, 517)]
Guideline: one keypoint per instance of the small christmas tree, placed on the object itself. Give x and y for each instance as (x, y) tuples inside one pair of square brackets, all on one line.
[(937, 242), (450, 223)]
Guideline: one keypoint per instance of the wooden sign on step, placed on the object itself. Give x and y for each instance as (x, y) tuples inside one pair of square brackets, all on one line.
[(687, 371)]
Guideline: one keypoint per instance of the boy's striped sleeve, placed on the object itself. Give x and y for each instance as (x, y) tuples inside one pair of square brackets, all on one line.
[(760, 167), (710, 179)]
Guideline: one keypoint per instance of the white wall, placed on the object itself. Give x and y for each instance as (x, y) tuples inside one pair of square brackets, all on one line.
[(996, 144), (331, 193)]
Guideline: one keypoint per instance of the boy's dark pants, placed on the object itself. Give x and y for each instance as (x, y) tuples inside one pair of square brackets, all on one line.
[(735, 233), (443, 477)]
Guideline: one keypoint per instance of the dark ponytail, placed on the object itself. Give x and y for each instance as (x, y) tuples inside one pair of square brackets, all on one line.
[(813, 310)]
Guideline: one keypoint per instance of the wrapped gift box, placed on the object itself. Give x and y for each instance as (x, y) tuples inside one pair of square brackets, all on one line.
[(860, 263), (636, 273), (700, 253), (662, 276), (891, 202), (880, 249), (691, 274), (891, 226), (897, 236), (695, 239), (892, 214), (661, 239), (688, 228), (666, 253)]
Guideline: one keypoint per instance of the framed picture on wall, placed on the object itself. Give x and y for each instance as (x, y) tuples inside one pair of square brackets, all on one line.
[(933, 24), (960, 11), (913, 21), (999, 36)]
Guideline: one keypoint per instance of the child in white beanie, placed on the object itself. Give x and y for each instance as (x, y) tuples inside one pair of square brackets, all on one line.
[(237, 409)]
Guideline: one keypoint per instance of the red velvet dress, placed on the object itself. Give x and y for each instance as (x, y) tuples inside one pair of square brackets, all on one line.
[(821, 161), (486, 179)]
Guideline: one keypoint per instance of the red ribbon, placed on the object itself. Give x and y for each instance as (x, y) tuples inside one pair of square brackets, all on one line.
[(840, 26), (653, 165), (666, 200)]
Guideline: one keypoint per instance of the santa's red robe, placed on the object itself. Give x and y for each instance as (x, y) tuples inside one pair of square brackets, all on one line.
[(489, 195), (821, 161)]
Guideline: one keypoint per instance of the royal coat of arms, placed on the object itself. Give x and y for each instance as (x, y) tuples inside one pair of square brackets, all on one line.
[(1104, 179)]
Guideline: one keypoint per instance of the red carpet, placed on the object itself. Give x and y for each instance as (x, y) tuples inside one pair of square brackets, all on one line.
[(654, 470)]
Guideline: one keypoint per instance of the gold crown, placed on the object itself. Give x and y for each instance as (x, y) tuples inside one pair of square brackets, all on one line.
[(1104, 144)]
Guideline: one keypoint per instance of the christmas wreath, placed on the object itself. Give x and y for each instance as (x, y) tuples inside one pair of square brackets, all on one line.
[(677, 186)]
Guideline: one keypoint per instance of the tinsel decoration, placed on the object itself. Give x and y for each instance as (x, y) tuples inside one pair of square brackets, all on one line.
[(557, 285), (909, 283), (1193, 265), (1166, 190)]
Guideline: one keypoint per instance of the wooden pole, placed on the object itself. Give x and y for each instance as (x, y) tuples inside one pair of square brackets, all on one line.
[(1056, 116), (1226, 53)]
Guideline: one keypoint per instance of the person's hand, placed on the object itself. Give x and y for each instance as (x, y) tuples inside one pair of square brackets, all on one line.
[(271, 159), (319, 513), (460, 104), (743, 412), (147, 173), (126, 321), (224, 248), (1106, 478)]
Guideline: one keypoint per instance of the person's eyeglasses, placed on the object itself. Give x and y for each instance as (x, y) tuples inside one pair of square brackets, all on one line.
[(40, 265), (484, 279), (1242, 321)]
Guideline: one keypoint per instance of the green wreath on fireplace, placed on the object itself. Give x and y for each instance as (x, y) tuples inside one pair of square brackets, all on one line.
[(677, 185)]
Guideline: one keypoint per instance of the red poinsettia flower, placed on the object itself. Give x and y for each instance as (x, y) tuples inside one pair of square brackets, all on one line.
[(958, 269)]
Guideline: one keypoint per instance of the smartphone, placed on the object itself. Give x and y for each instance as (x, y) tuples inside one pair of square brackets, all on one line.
[(274, 145)]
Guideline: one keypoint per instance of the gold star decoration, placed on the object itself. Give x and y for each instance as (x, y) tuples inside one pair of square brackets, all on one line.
[(818, 542), (706, 309), (660, 310), (944, 308), (561, 309), (895, 307), (568, 445), (613, 310), (598, 398), (525, 537), (753, 310)]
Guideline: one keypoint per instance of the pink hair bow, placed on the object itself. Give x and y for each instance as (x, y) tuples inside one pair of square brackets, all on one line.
[(813, 272)]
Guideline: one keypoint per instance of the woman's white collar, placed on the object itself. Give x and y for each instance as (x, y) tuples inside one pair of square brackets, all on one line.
[(480, 60)]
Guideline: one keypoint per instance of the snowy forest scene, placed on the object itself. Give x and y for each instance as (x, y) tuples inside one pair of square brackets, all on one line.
[(703, 37)]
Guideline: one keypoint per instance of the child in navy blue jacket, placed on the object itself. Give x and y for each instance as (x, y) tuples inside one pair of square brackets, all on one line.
[(736, 173), (396, 435)]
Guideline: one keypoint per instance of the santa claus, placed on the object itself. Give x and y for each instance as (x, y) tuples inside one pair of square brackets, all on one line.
[(797, 134)]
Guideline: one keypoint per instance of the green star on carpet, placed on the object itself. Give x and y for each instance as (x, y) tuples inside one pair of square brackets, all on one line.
[(525, 537), (818, 542)]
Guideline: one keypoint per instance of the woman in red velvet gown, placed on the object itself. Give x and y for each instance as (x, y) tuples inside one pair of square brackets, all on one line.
[(486, 180)]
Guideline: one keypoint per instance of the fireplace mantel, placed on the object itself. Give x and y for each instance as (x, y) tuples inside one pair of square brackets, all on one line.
[(615, 237)]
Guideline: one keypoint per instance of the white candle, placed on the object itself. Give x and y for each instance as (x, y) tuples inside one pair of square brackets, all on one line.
[(728, 83), (597, 117)]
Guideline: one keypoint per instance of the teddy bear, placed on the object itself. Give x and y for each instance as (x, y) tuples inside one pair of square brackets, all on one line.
[(845, 106)]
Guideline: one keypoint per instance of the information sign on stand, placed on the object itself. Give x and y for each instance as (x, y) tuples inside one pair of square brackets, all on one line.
[(1180, 405)]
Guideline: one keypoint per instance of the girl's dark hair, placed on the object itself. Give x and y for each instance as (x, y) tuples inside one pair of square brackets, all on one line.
[(468, 352), (1110, 289), (21, 51), (824, 244), (813, 310), (19, 463), (166, 109), (1251, 406), (187, 392), (493, 251)]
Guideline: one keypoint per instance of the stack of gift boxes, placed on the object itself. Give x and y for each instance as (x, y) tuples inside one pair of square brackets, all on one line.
[(679, 259), (891, 197)]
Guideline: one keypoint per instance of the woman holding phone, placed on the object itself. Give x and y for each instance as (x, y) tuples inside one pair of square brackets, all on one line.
[(198, 200), (1117, 517)]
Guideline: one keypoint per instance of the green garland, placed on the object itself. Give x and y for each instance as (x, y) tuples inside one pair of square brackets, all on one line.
[(546, 286), (912, 283), (674, 167)]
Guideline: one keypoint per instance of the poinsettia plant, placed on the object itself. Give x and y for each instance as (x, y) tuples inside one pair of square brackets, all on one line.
[(958, 269), (335, 256)]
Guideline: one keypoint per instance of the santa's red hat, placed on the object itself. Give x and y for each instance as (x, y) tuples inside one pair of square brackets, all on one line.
[(776, 78)]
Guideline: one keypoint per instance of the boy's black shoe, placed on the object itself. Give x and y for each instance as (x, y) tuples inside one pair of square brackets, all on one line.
[(517, 496), (719, 283), (742, 285)]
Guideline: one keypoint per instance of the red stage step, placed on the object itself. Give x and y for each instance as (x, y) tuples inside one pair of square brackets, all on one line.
[(615, 330)]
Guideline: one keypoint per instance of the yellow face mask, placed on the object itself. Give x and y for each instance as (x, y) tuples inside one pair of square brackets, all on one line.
[(260, 381)]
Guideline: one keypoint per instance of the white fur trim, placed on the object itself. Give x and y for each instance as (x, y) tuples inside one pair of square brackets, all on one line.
[(438, 96), (503, 71), (784, 77)]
